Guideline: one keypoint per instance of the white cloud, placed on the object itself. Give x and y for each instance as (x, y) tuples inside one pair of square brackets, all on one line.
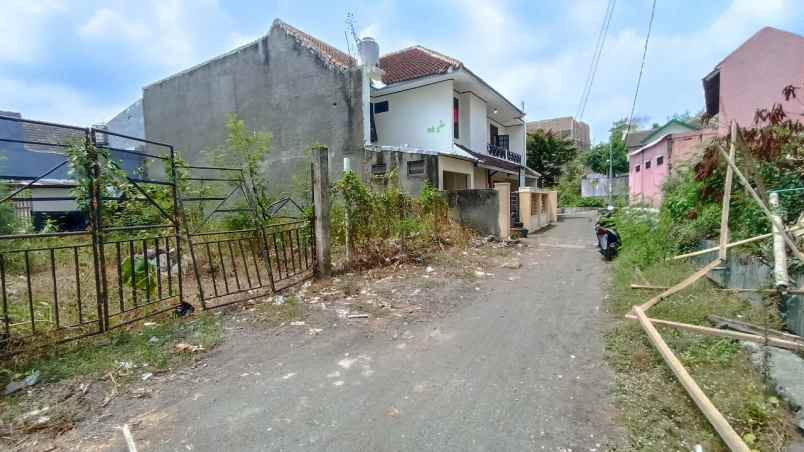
[(108, 24), (53, 102), (23, 25), (173, 34)]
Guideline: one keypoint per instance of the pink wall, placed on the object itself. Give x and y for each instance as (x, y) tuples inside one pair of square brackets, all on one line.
[(645, 186), (686, 146), (754, 75)]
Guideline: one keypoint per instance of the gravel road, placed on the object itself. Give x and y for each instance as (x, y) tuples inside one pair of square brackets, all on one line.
[(519, 366)]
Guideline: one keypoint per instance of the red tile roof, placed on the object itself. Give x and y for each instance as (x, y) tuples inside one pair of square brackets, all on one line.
[(326, 52), (415, 62)]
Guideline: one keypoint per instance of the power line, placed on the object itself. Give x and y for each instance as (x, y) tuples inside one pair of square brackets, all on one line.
[(601, 42), (581, 101), (641, 70)]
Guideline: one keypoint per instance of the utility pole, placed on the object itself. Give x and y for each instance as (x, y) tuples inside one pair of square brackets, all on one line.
[(611, 173)]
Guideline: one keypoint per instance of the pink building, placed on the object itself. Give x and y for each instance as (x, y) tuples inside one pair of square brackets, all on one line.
[(668, 148), (753, 77), (749, 78)]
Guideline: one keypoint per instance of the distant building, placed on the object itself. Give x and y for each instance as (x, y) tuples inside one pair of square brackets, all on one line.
[(753, 76), (659, 152), (568, 128)]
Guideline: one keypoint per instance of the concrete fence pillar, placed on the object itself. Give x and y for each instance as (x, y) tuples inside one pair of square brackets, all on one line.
[(504, 219), (525, 211), (321, 206), (553, 206)]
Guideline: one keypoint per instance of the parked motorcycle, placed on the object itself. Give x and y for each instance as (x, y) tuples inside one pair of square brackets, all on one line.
[(608, 240)]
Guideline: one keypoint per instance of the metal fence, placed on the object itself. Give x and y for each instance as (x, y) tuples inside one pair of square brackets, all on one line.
[(236, 260), (114, 255)]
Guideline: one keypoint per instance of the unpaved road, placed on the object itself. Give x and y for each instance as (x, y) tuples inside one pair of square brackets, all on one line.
[(520, 367)]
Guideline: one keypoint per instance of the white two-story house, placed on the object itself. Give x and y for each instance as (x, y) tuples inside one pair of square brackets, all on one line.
[(426, 103)]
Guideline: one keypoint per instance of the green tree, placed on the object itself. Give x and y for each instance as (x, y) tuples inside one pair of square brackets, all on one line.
[(548, 155), (598, 158), (247, 149)]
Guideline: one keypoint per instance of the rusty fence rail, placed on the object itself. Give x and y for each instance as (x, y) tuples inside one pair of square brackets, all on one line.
[(86, 262)]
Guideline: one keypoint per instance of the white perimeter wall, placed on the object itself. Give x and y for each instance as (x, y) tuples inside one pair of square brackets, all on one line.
[(420, 118)]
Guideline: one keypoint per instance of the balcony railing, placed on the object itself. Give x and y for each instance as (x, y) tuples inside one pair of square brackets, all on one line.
[(503, 153)]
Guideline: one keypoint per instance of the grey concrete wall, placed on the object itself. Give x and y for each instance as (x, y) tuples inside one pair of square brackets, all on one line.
[(749, 272), (275, 85), (397, 161), (477, 209), (128, 122)]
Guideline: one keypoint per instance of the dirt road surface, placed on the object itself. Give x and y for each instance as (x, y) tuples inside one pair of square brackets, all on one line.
[(518, 366)]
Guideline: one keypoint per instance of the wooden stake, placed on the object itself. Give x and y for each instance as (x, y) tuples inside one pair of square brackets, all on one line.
[(724, 216), (732, 245), (680, 286), (734, 289), (721, 425), (749, 328), (764, 208), (715, 332)]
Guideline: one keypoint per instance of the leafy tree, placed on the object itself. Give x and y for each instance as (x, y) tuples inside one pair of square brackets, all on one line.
[(247, 149), (548, 155), (598, 158)]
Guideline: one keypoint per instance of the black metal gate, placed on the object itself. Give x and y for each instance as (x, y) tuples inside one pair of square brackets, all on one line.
[(237, 255), (85, 272)]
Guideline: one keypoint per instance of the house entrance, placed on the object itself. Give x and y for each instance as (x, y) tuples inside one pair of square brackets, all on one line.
[(455, 181)]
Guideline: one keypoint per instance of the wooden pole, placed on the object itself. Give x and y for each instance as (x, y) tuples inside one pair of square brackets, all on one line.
[(732, 245), (721, 289), (680, 286), (764, 208), (724, 216), (715, 332), (322, 207), (721, 425)]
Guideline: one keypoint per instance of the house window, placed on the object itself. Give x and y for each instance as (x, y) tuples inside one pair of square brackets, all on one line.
[(416, 168), (493, 132), (647, 164), (456, 116), (636, 169), (381, 107), (378, 170), (659, 160), (503, 141)]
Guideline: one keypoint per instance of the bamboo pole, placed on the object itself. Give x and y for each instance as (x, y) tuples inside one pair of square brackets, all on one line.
[(721, 289), (715, 332), (724, 216), (680, 286), (733, 244), (721, 425), (764, 208)]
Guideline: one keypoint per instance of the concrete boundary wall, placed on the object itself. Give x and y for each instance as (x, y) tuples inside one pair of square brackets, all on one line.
[(478, 209)]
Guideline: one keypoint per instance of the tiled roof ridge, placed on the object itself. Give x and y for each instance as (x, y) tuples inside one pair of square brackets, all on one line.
[(328, 53)]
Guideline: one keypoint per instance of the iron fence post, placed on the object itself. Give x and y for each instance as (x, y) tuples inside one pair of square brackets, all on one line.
[(96, 229), (180, 219)]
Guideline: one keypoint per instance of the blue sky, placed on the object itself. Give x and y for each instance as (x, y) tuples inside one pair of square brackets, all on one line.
[(81, 62)]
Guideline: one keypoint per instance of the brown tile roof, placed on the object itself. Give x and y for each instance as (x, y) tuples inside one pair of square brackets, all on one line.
[(326, 52), (415, 62)]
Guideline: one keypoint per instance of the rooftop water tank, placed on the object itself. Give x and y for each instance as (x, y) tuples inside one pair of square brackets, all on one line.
[(369, 51)]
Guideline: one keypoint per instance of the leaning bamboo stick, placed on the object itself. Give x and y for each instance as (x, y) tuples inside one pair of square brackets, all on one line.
[(728, 289), (764, 208), (715, 332), (680, 286), (724, 216), (721, 425), (733, 244)]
